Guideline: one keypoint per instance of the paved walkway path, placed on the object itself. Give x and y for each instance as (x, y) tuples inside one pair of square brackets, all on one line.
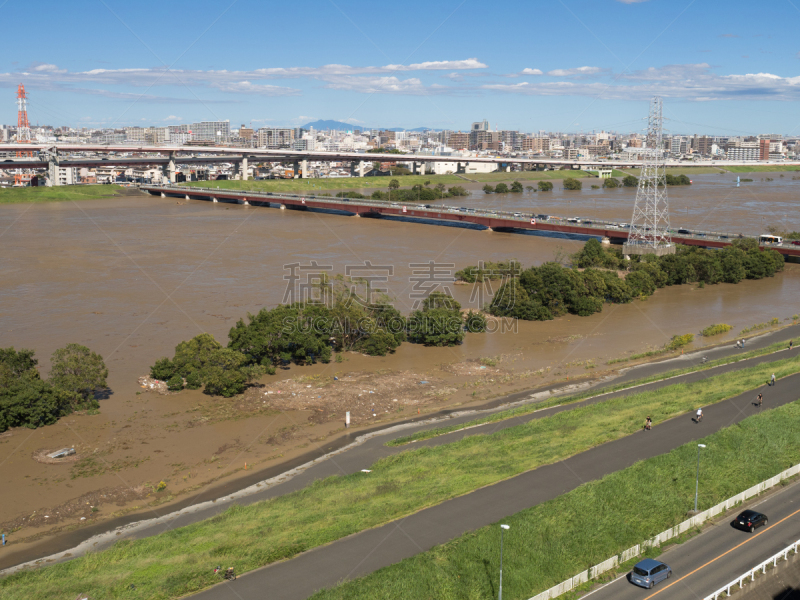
[(215, 500), (368, 551)]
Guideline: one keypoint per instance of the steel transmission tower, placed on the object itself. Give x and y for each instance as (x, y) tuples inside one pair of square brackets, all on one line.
[(649, 232)]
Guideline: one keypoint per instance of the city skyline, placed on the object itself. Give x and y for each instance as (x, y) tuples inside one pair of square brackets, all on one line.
[(578, 66)]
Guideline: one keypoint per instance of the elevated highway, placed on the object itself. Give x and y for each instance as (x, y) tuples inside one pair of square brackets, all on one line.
[(226, 153), (492, 219)]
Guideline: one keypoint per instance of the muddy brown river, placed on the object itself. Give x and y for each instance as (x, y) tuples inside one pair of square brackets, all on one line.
[(130, 277)]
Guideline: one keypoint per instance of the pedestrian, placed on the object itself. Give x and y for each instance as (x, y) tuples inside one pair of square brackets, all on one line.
[(772, 382), (790, 344), (648, 424), (760, 399), (699, 415)]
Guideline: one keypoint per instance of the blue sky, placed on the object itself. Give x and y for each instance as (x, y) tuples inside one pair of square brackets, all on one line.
[(557, 65)]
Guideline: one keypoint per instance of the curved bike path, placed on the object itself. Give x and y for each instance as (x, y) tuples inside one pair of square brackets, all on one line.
[(362, 553), (347, 455)]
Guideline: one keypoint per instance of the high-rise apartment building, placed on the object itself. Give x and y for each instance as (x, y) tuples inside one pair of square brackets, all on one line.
[(458, 140), (273, 137), (211, 131)]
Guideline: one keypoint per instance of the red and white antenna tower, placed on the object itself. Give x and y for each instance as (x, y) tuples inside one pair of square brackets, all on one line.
[(23, 132), (23, 127)]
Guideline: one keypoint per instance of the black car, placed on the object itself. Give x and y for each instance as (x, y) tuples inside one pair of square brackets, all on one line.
[(750, 520), (685, 231)]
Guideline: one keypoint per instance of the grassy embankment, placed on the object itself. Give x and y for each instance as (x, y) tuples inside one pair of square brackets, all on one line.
[(181, 561), (533, 407), (57, 194), (311, 186), (688, 170), (762, 168), (560, 538)]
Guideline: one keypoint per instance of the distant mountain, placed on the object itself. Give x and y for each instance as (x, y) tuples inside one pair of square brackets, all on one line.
[(323, 124)]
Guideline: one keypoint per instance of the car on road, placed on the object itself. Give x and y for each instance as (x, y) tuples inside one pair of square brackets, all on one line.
[(684, 231), (573, 220), (750, 520), (543, 217), (795, 242), (648, 572)]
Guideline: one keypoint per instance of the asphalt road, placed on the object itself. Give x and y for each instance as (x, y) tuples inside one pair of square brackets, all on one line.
[(365, 552), (719, 555), (76, 543)]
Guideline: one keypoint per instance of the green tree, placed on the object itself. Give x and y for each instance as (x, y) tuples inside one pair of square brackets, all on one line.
[(31, 402), (226, 373), (475, 322), (517, 187), (436, 327), (545, 186), (488, 189), (194, 381), (570, 183), (192, 355), (611, 183), (437, 300), (591, 255), (501, 188), (439, 187), (175, 383), (630, 181), (163, 369), (78, 370)]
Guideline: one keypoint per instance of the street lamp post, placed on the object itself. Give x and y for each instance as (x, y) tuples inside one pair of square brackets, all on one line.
[(697, 478), (502, 529)]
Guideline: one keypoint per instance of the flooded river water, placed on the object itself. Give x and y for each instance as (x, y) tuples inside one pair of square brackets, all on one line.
[(131, 277)]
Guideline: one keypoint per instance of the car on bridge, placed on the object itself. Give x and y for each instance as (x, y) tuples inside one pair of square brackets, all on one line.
[(543, 217), (684, 231), (750, 520), (648, 572)]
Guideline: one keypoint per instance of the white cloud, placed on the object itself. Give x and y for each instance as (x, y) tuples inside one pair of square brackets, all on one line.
[(696, 82), (172, 118), (380, 85), (575, 71), (245, 87), (48, 68), (527, 71)]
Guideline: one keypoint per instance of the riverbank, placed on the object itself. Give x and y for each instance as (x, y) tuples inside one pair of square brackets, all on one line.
[(393, 487)]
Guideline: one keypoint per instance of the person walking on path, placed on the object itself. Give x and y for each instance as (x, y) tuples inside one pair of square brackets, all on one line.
[(699, 415), (760, 399), (791, 343), (648, 424), (772, 381)]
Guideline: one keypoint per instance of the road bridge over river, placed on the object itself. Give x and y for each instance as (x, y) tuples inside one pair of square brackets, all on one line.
[(491, 219)]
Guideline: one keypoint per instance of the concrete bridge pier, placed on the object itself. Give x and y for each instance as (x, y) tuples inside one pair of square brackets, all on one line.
[(283, 207), (163, 195), (168, 170), (187, 196), (214, 200), (605, 241), (304, 169)]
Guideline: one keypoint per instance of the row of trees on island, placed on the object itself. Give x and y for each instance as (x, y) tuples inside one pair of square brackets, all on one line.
[(593, 277), (303, 333)]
